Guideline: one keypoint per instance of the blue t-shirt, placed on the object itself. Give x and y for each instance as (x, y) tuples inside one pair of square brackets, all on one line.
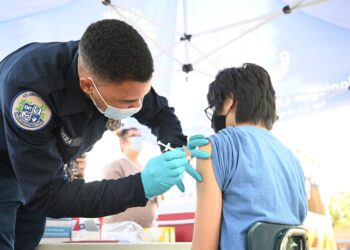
[(260, 180)]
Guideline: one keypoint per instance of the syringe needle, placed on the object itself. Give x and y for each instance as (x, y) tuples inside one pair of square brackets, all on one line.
[(167, 147)]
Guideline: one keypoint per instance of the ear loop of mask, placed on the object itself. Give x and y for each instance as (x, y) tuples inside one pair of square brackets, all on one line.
[(98, 92)]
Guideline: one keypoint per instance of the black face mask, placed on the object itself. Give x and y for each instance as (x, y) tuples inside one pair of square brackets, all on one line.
[(218, 122)]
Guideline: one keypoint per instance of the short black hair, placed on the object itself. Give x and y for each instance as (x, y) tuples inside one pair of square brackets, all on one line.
[(114, 51), (251, 87)]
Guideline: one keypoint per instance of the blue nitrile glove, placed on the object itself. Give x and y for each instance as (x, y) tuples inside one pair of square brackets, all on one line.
[(162, 172), (194, 142)]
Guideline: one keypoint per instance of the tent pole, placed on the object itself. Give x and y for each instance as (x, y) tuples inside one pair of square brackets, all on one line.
[(185, 15)]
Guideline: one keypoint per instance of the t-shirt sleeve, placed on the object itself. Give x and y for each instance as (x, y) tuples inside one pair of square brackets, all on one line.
[(224, 157)]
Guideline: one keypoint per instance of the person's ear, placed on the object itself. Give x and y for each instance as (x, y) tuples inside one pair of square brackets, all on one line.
[(231, 107), (234, 105), (86, 85), (229, 104), (121, 143)]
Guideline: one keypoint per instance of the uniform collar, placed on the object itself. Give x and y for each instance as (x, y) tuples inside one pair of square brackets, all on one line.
[(74, 100)]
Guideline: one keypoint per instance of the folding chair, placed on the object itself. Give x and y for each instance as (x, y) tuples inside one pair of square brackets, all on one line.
[(270, 236)]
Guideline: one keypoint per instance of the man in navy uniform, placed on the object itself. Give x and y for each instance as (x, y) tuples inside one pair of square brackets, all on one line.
[(56, 101)]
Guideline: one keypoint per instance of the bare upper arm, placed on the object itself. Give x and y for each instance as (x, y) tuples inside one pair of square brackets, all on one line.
[(209, 206)]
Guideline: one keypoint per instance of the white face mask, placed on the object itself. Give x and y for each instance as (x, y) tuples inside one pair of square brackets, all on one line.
[(112, 112), (136, 143)]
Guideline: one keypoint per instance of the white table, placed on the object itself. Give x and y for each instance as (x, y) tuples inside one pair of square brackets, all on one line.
[(115, 246)]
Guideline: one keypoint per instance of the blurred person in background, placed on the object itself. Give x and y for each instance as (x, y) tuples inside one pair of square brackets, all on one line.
[(131, 143)]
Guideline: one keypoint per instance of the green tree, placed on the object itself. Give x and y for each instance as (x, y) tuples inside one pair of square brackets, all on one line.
[(339, 209)]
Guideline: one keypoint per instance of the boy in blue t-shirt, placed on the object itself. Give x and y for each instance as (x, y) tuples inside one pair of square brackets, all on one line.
[(251, 175)]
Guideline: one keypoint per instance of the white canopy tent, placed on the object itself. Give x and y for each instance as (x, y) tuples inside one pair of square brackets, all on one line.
[(306, 50)]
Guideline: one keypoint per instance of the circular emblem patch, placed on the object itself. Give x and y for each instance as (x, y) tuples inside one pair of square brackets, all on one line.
[(29, 111)]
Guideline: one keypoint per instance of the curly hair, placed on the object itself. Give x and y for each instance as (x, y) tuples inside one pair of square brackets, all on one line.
[(114, 51), (250, 85)]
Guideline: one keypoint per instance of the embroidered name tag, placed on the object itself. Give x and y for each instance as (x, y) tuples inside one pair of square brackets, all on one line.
[(71, 142)]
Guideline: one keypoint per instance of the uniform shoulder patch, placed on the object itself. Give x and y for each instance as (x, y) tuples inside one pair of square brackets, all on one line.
[(29, 111)]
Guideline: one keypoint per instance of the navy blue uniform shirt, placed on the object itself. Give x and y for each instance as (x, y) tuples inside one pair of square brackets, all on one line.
[(46, 120)]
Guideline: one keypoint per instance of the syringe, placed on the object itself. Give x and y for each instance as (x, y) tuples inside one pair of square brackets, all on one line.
[(168, 147)]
